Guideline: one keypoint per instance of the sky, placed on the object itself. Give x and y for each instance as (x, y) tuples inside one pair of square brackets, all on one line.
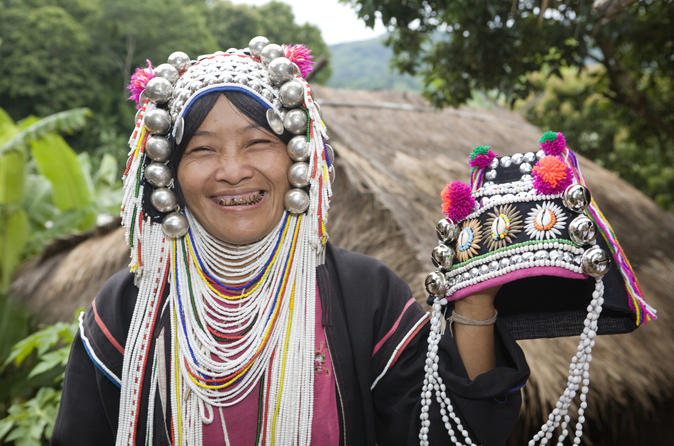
[(338, 22)]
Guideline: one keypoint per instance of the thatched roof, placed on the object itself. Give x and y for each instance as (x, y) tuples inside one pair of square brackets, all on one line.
[(394, 155)]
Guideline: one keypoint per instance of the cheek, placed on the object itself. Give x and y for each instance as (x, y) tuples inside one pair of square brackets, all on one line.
[(189, 178)]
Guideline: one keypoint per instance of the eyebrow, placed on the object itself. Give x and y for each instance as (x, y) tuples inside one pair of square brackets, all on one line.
[(248, 127)]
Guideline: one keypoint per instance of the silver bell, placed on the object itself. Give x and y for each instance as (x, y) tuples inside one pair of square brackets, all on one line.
[(158, 174), (298, 174), (298, 148), (447, 230), (256, 45), (163, 199), (582, 231), (595, 262), (296, 201), (179, 60), (275, 121), (295, 121), (158, 148), (270, 52), (167, 71), (291, 93), (158, 121), (442, 256), (281, 70), (175, 225), (436, 284), (576, 197), (159, 90)]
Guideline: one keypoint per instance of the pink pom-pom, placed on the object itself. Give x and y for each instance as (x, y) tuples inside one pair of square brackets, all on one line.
[(552, 143), (301, 56), (139, 81), (551, 176), (481, 157), (457, 201)]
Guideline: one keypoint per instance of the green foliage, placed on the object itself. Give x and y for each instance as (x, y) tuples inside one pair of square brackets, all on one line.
[(32, 378), (463, 48)]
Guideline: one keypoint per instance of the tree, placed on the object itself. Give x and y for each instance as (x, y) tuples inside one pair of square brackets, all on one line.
[(622, 47)]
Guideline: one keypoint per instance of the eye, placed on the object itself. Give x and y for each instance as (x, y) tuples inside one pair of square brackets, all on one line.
[(198, 149), (261, 141)]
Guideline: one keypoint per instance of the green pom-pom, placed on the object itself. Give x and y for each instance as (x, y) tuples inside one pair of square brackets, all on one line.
[(548, 136), (479, 150)]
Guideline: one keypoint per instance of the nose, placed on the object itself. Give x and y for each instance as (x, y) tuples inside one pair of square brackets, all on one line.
[(233, 167)]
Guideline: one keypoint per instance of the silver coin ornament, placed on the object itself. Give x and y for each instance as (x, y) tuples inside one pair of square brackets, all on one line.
[(270, 52), (296, 201), (595, 262), (167, 71), (442, 256), (275, 121), (158, 148), (281, 70), (436, 284), (576, 197), (175, 225), (582, 231), (179, 60), (178, 130), (256, 45), (447, 230), (295, 121), (298, 174), (298, 148), (158, 90), (158, 121), (291, 93), (163, 199), (158, 174)]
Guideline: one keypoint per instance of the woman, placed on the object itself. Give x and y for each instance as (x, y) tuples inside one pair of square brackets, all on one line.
[(239, 323)]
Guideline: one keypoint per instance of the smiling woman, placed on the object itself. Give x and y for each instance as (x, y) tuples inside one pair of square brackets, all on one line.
[(238, 323)]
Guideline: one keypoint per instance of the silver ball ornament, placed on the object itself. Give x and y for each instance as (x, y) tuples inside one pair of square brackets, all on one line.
[(270, 52), (292, 93), (298, 148), (167, 71), (163, 199), (275, 121), (256, 45), (582, 231), (179, 60), (158, 148), (442, 256), (280, 70), (295, 121), (175, 225), (298, 174), (158, 174), (595, 262), (296, 201), (436, 284), (447, 230), (576, 197), (158, 90), (158, 121)]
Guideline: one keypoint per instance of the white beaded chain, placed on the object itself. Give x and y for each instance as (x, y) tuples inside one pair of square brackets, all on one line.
[(579, 378)]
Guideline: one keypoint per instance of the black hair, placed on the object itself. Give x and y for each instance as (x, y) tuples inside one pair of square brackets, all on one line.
[(194, 117)]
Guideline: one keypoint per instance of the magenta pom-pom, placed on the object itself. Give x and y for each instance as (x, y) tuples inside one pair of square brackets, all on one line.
[(553, 144), (457, 201), (482, 160), (139, 81), (301, 56)]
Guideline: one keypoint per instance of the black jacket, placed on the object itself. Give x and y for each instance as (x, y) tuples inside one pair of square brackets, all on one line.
[(363, 303)]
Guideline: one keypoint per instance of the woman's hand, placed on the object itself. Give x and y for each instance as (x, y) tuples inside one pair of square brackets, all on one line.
[(474, 342)]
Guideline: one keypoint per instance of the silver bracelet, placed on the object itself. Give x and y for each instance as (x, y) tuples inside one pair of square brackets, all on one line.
[(463, 320)]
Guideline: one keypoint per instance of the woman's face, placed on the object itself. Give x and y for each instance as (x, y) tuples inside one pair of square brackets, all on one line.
[(233, 175)]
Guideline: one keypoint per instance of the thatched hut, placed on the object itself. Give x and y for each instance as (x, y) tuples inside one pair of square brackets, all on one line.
[(394, 154)]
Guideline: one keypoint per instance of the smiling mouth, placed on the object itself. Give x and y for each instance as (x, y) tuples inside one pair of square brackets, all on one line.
[(241, 200)]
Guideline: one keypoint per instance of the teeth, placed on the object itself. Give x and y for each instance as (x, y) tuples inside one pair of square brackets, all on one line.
[(253, 198)]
